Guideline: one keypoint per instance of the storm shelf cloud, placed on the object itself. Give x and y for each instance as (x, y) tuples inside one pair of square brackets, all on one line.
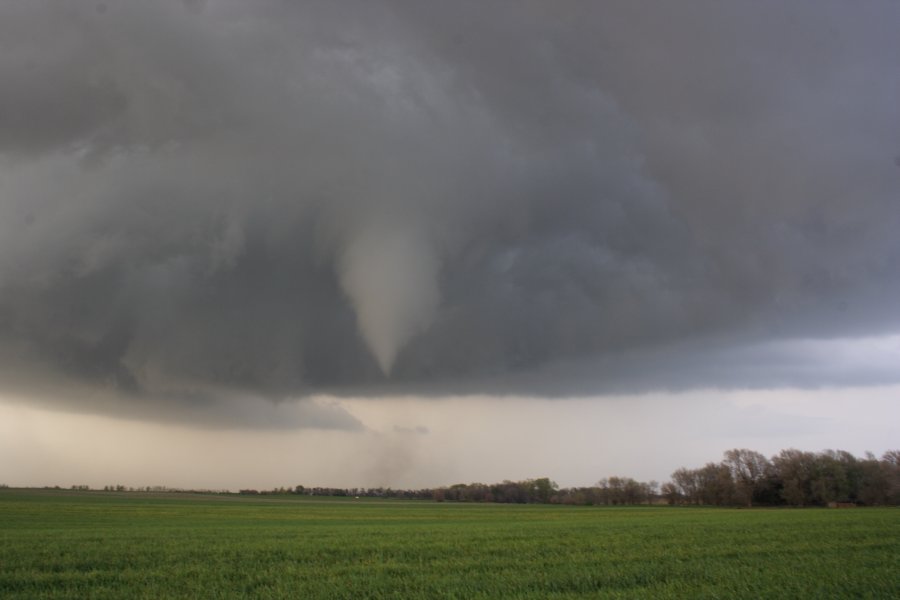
[(204, 201)]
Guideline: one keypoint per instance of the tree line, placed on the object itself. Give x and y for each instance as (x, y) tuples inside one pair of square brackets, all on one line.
[(742, 478), (791, 477)]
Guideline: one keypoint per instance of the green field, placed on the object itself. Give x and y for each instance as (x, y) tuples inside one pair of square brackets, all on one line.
[(129, 545)]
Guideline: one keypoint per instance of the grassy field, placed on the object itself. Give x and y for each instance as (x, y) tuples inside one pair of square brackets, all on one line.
[(111, 545)]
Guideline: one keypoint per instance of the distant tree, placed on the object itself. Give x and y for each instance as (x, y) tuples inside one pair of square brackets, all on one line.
[(651, 490), (670, 492), (687, 482), (748, 470), (892, 457), (874, 482), (891, 464), (829, 482), (543, 489), (603, 493), (795, 469), (715, 485), (616, 490), (634, 491)]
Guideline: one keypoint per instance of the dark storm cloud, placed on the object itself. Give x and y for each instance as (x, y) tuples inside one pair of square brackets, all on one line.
[(203, 200)]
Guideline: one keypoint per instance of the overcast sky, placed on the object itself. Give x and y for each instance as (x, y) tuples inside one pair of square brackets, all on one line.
[(414, 243)]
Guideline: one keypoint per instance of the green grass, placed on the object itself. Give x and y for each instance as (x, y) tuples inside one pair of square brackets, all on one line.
[(110, 545)]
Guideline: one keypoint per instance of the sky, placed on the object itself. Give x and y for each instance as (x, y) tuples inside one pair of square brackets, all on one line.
[(410, 244)]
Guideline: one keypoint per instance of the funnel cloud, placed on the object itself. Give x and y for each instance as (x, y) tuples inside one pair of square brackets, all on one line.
[(391, 278), (221, 200)]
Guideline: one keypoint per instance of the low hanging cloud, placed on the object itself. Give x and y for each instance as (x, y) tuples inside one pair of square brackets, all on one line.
[(207, 200)]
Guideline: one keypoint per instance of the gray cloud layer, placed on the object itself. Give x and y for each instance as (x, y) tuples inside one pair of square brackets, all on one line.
[(208, 199)]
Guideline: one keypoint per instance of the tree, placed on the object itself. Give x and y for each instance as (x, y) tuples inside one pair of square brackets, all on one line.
[(670, 492), (543, 489), (686, 481), (874, 482), (828, 482), (795, 469), (748, 470), (651, 490), (891, 464), (715, 485)]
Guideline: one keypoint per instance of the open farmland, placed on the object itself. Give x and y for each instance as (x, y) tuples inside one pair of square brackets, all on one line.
[(57, 544)]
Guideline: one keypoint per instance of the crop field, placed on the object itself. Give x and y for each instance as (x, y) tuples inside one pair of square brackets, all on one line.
[(57, 544)]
